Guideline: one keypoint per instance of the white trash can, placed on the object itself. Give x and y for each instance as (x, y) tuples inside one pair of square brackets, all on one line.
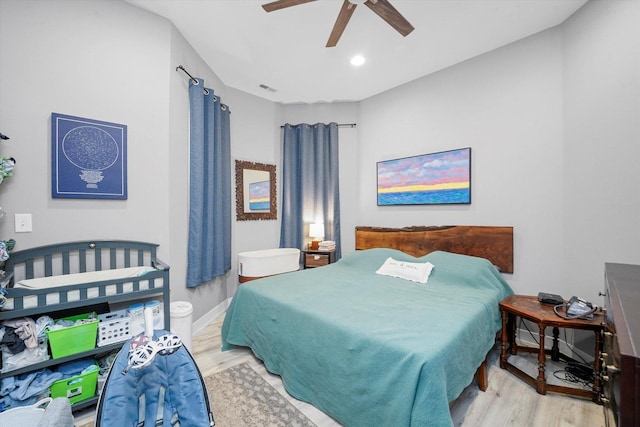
[(181, 321)]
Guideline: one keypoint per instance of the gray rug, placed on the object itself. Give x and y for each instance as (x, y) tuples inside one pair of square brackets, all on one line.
[(240, 397)]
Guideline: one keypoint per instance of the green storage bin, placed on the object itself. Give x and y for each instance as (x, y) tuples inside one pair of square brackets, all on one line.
[(74, 339), (76, 388)]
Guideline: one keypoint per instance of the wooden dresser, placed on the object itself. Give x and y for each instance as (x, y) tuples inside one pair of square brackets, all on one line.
[(621, 356)]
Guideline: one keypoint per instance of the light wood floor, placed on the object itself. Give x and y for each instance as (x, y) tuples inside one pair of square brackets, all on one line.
[(507, 402)]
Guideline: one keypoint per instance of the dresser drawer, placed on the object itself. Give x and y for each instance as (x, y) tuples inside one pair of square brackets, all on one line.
[(622, 359), (316, 260)]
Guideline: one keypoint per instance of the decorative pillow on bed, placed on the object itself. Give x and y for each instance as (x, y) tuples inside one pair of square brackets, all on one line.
[(414, 271)]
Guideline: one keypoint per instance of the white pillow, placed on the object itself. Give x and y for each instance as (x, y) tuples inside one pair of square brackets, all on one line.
[(414, 271)]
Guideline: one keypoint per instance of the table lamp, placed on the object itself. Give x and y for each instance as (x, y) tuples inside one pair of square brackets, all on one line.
[(316, 232)]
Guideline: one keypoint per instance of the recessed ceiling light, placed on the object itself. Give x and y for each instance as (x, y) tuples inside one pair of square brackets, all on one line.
[(357, 60)]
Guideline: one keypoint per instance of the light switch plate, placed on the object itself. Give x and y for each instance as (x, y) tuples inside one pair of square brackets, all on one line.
[(23, 223)]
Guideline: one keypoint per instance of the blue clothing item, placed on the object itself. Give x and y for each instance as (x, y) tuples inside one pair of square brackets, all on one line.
[(24, 389), (42, 324), (7, 385), (6, 402), (34, 383), (76, 367)]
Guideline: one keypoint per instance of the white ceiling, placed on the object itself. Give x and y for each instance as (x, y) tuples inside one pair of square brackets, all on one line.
[(247, 47)]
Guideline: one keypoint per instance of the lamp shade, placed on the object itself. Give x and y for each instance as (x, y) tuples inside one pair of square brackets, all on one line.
[(316, 230)]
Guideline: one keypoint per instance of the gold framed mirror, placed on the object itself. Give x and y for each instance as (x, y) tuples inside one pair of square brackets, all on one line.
[(255, 191)]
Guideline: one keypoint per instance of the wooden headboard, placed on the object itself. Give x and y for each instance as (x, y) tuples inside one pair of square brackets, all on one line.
[(492, 243)]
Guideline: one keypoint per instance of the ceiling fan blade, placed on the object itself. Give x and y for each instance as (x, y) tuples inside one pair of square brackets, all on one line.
[(386, 11), (341, 23), (281, 4)]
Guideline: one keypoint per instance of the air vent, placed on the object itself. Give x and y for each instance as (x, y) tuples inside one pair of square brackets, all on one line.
[(265, 87)]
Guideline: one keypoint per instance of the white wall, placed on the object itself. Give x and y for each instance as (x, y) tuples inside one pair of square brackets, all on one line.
[(255, 136), (507, 106), (601, 173), (553, 125), (83, 59)]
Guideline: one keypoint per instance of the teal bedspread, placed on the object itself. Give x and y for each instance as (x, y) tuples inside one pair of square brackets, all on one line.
[(371, 350)]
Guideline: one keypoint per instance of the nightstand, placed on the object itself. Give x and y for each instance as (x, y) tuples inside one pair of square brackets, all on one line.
[(316, 258), (528, 307)]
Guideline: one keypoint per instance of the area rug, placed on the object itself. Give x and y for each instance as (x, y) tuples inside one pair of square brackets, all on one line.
[(240, 397)]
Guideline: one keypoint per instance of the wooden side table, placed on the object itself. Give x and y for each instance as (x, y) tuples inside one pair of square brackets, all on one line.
[(317, 258), (528, 307)]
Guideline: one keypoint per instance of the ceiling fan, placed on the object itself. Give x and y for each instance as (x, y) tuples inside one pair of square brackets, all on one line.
[(382, 8)]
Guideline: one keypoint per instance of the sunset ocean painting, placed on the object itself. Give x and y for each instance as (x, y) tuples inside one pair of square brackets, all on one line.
[(430, 179), (259, 196)]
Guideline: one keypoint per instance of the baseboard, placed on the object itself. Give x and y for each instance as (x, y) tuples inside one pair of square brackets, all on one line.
[(210, 316)]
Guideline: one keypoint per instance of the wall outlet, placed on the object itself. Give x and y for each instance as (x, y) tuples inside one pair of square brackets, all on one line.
[(23, 223)]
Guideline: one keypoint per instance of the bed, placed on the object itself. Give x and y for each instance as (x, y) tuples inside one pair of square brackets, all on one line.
[(369, 349)]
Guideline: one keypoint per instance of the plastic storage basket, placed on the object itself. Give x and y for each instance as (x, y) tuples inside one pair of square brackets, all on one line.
[(76, 388), (73, 339), (114, 327)]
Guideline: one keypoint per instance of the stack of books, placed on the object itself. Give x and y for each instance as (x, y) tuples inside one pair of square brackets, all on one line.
[(327, 245)]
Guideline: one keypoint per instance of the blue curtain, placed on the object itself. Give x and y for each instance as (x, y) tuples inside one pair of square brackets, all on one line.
[(310, 185), (209, 252)]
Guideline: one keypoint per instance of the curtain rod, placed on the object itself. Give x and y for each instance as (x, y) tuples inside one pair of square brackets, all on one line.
[(193, 79), (340, 125)]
